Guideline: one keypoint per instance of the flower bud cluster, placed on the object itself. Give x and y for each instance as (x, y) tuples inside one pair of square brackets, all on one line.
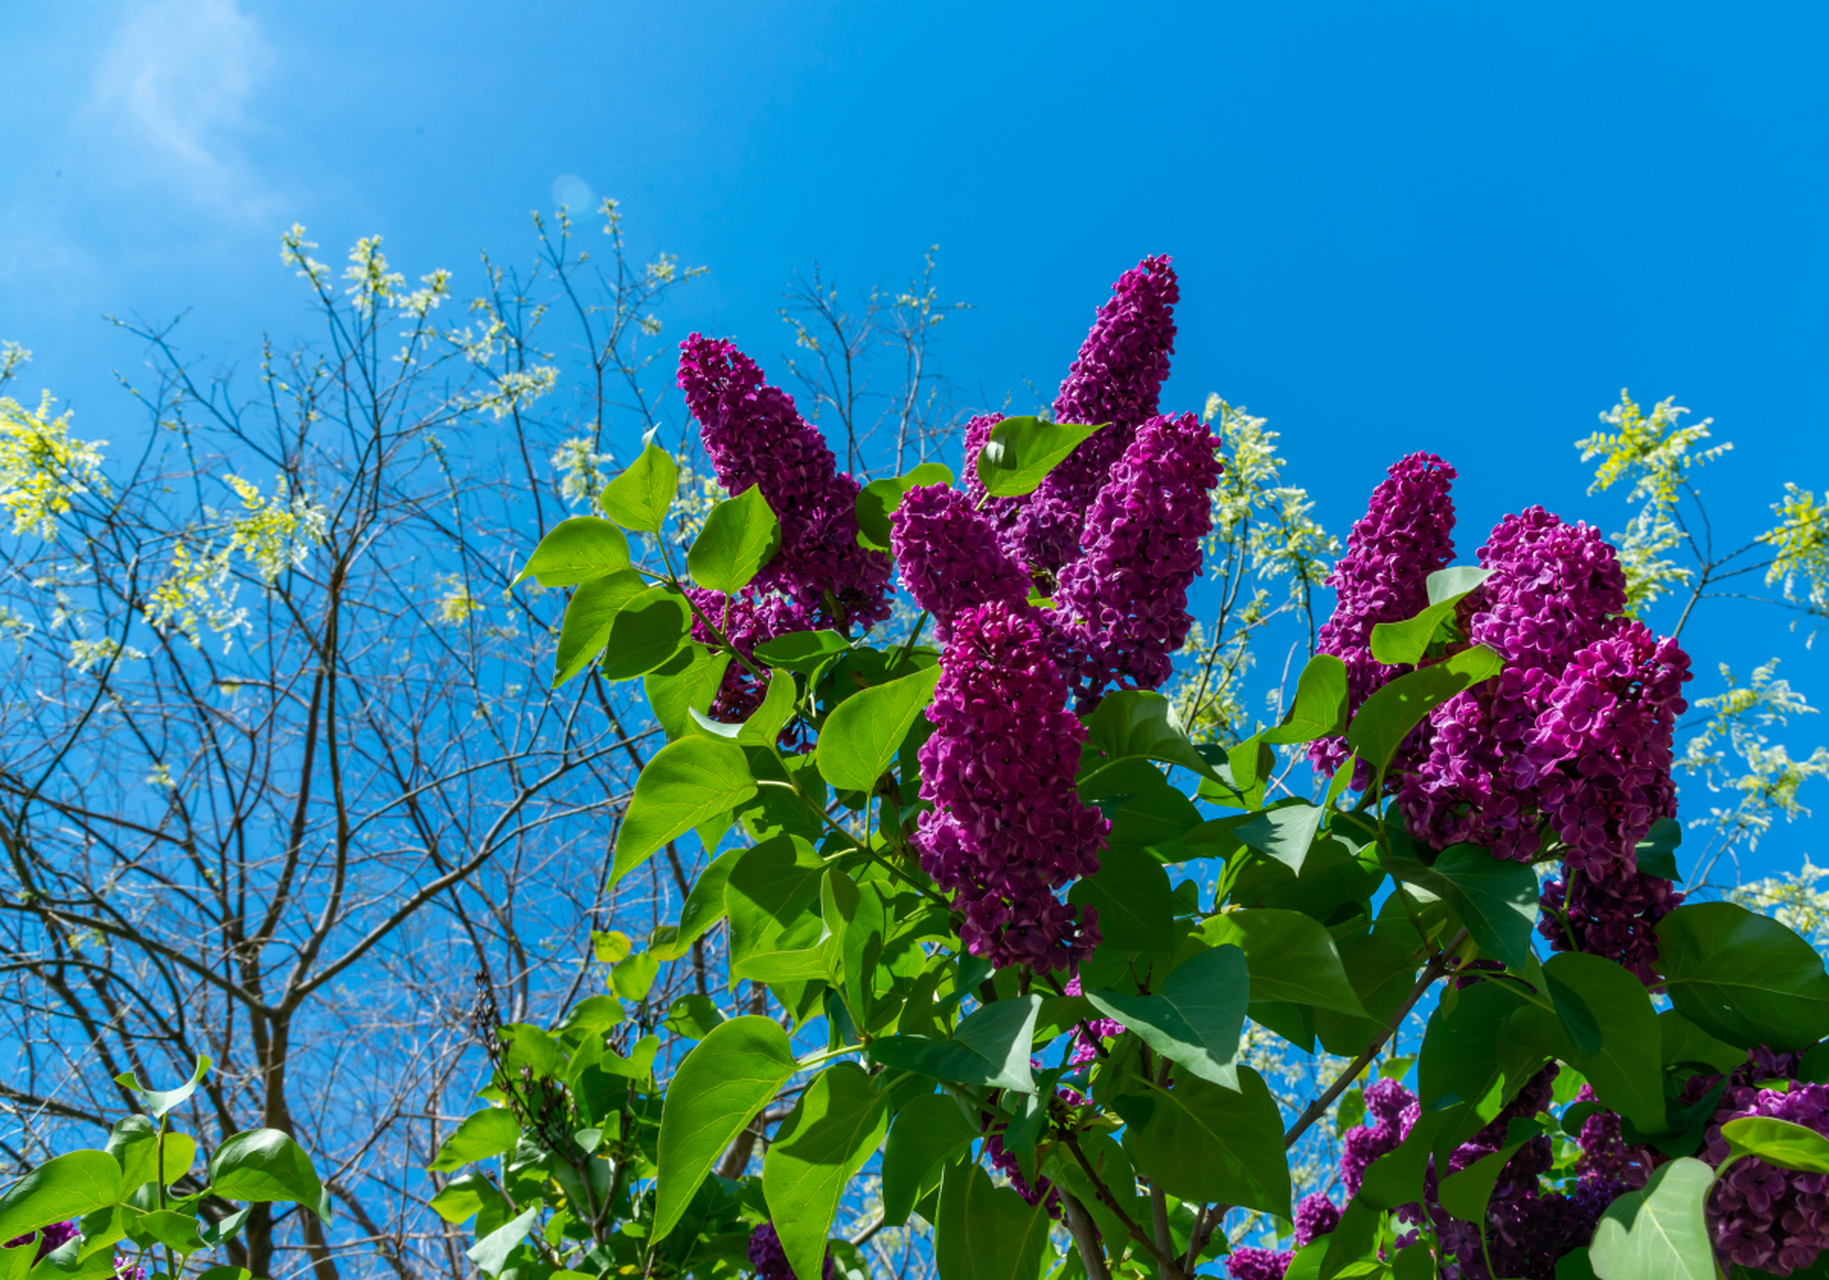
[(1007, 828)]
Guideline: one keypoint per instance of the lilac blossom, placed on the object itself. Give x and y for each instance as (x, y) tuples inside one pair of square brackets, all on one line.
[(1117, 379), (1316, 1216), (1248, 1263), (1007, 828), (754, 436), (1127, 596), (1406, 534), (1761, 1216), (1391, 1109), (949, 557)]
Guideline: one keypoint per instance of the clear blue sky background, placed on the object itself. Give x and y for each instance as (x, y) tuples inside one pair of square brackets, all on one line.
[(1453, 227)]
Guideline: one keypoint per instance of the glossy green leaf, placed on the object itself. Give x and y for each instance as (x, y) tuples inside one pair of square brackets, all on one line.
[(772, 898), (1201, 1142), (878, 500), (1656, 853), (1659, 1233), (1292, 957), (1352, 1244), (1194, 1019), (1131, 893), (1284, 833), (684, 783), (860, 737), (646, 632), (589, 616), (162, 1102), (485, 1133), (739, 536), (490, 1254), (928, 1131), (1387, 717), (638, 499), (1382, 972), (991, 1047), (1627, 1071), (265, 1164), (686, 682), (1743, 977), (464, 1196), (986, 1232), (722, 1083), (574, 551), (833, 1129), (802, 651), (1495, 898), (1405, 643), (704, 908), (1779, 1142), (1684, 1042), (693, 1016), (1137, 724), (1022, 451), (1320, 707), (64, 1187)]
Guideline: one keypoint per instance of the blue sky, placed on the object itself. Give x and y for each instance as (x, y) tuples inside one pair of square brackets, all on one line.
[(1453, 227)]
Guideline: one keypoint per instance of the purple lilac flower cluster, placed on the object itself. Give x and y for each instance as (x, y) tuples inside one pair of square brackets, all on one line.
[(1575, 734), (1761, 1216), (770, 1260), (1128, 594), (754, 436), (949, 557), (1007, 828), (1406, 534)]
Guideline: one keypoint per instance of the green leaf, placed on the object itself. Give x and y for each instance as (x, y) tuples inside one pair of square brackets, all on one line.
[(686, 682), (1137, 724), (772, 898), (158, 1103), (575, 551), (1285, 833), (1320, 708), (684, 783), (464, 1197), (723, 1082), (929, 1131), (646, 632), (1201, 1142), (265, 1164), (490, 1254), (693, 1015), (704, 908), (860, 737), (1195, 1017), (638, 498), (633, 976), (1779, 1142), (834, 1128), (485, 1133), (1495, 898), (1659, 1233), (1405, 643), (589, 615), (739, 537), (1382, 972), (1465, 1193), (1292, 957), (1022, 451), (985, 1232), (1627, 1072), (1683, 1041), (1354, 1240), (64, 1187), (1131, 893), (802, 651), (1386, 718), (1742, 977), (991, 1048), (1656, 853), (878, 500)]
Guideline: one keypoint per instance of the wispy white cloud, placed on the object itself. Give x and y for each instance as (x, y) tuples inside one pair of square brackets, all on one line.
[(172, 88)]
